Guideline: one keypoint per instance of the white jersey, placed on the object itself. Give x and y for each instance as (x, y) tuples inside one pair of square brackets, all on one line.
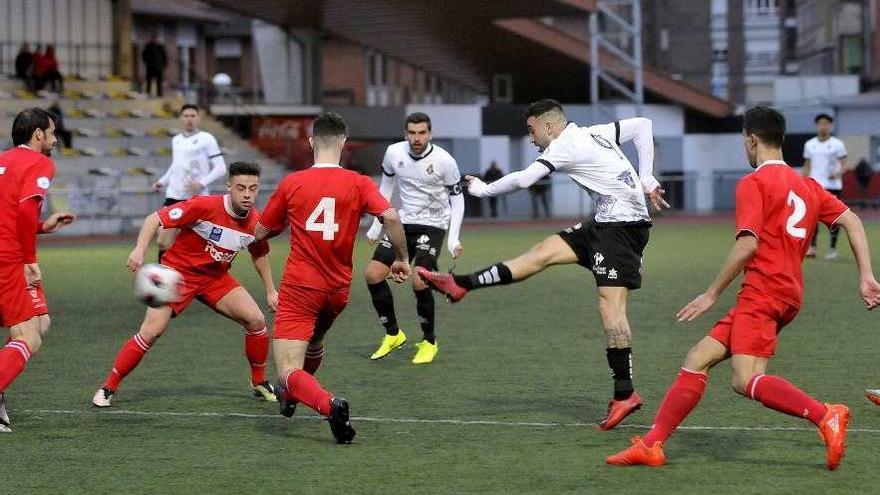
[(824, 157), (592, 158), (191, 161), (424, 183)]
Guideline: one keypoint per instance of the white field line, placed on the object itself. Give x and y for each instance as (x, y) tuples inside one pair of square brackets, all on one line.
[(463, 422)]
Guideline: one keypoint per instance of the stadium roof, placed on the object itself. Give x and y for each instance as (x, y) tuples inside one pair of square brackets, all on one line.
[(468, 41)]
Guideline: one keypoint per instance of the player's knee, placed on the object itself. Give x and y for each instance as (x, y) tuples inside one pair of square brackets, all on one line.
[(45, 322), (151, 332), (695, 361), (375, 275)]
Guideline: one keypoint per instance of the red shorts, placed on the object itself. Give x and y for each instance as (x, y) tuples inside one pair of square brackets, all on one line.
[(207, 289), (19, 302), (751, 327), (304, 312)]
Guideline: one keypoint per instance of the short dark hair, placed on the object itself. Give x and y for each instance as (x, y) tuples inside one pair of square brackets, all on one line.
[(823, 116), (329, 124), (417, 118), (188, 106), (766, 123), (539, 108), (244, 168), (27, 121)]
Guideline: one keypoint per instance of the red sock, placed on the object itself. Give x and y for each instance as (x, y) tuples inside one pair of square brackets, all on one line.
[(779, 394), (680, 400), (303, 387), (256, 348), (129, 357), (12, 360), (313, 361)]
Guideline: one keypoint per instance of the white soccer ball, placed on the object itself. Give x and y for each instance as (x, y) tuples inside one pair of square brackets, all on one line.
[(156, 285)]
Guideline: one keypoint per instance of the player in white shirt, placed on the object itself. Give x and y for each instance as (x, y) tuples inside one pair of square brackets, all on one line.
[(196, 161), (611, 246), (431, 202), (825, 162)]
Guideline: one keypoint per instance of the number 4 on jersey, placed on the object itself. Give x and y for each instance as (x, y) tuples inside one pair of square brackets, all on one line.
[(328, 228)]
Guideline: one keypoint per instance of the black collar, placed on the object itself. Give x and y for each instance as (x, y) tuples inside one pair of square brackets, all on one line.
[(417, 158)]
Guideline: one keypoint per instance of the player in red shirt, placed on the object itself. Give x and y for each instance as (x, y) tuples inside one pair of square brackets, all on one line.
[(213, 229), (323, 206), (777, 212), (26, 173)]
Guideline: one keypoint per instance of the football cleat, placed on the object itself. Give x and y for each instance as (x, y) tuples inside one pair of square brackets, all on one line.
[(639, 454), (811, 252), (286, 407), (264, 390), (389, 343), (618, 410), (339, 421), (832, 430), (4, 416), (102, 397), (873, 395), (443, 283), (831, 254), (426, 352)]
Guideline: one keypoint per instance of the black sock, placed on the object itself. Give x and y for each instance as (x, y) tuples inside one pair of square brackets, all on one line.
[(620, 362), (497, 274), (383, 301), (161, 252), (425, 309), (834, 233)]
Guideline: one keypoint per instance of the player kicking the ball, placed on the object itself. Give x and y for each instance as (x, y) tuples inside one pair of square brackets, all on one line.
[(213, 229), (777, 212), (323, 206)]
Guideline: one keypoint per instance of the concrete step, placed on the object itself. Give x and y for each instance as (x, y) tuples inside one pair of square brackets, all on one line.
[(10, 107), (12, 85)]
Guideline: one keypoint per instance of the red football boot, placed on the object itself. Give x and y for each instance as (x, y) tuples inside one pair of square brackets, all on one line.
[(618, 410), (443, 283), (639, 454), (832, 429)]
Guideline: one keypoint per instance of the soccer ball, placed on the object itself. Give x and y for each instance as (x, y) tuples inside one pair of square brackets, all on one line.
[(156, 285)]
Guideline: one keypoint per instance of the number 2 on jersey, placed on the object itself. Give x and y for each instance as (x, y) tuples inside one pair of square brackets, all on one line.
[(328, 228), (800, 209)]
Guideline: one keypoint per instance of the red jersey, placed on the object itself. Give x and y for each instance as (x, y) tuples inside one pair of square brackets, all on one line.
[(323, 206), (210, 236), (782, 209), (24, 174)]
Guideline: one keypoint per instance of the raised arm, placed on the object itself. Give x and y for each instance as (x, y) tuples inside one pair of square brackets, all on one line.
[(511, 182)]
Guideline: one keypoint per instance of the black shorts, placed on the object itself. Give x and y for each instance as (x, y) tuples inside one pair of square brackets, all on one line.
[(423, 244), (612, 251), (171, 201)]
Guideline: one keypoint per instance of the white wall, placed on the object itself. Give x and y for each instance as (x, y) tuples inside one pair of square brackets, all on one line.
[(495, 148), (706, 153), (453, 121), (813, 88)]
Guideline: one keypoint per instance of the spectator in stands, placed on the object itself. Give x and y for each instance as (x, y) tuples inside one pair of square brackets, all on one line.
[(65, 135), (155, 60), (492, 174), (46, 70), (539, 193), (24, 62), (864, 172)]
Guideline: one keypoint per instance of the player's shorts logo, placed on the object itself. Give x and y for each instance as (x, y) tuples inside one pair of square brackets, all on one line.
[(43, 183), (175, 213), (216, 234)]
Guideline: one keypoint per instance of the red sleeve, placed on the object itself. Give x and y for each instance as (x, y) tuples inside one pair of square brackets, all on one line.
[(275, 213), (373, 202), (830, 208), (259, 248), (183, 213), (37, 179), (28, 223), (749, 207)]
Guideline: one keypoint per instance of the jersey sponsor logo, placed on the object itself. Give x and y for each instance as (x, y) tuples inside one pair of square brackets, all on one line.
[(627, 179), (175, 213), (43, 182), (216, 234), (602, 141), (246, 240), (400, 164), (218, 255)]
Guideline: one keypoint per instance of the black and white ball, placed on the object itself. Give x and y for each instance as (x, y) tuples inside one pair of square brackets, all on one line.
[(157, 285)]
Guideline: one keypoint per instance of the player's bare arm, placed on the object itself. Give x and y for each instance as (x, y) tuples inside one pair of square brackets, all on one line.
[(56, 221), (869, 289), (400, 269), (805, 170), (148, 231), (742, 252), (264, 270), (386, 189), (514, 181)]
